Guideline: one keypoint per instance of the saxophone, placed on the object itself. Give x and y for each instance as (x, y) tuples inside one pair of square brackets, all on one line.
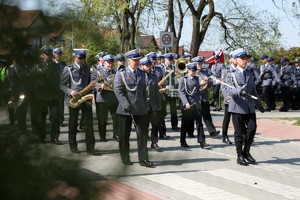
[(162, 81), (82, 96)]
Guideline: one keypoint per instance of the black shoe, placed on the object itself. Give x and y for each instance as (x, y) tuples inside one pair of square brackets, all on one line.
[(42, 141), (103, 140), (176, 128), (116, 138), (283, 110), (63, 124), (56, 142), (226, 141), (220, 108), (185, 145), (214, 134), (75, 150), (164, 137), (191, 136), (203, 144), (93, 152), (127, 162), (155, 146), (241, 161), (249, 158), (146, 163)]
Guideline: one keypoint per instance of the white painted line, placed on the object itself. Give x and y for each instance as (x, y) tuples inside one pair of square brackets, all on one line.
[(192, 187), (273, 187)]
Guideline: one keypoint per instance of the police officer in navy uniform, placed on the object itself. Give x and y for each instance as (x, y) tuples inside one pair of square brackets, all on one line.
[(130, 89), (74, 79), (161, 113), (105, 97), (297, 91), (204, 74), (242, 107), (17, 76), (227, 115), (57, 56), (153, 100), (189, 94), (216, 70), (288, 79), (267, 76), (47, 95), (171, 83), (120, 58)]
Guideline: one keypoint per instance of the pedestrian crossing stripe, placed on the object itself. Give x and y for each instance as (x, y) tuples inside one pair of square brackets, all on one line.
[(193, 188), (273, 187)]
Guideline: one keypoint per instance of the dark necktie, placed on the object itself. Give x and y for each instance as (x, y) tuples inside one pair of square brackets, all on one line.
[(244, 73), (135, 73)]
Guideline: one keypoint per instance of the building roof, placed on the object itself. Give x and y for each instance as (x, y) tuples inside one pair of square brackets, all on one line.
[(206, 54)]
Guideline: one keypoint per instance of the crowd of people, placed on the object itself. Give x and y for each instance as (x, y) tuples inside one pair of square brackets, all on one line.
[(135, 89)]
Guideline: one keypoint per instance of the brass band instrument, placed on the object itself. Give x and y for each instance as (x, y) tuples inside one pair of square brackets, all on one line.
[(163, 80), (180, 66), (205, 79), (108, 82), (15, 102), (82, 95)]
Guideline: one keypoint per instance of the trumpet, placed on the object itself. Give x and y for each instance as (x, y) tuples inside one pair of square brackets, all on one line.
[(15, 102)]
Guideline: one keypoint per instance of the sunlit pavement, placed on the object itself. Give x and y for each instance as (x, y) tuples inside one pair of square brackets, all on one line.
[(195, 173)]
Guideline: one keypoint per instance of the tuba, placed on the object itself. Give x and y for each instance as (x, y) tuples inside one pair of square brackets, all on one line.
[(180, 66)]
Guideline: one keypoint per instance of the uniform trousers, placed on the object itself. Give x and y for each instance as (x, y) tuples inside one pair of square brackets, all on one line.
[(244, 127), (61, 109), (285, 95), (267, 94), (226, 121), (125, 122), (161, 114), (40, 108), (173, 111), (103, 108), (205, 113), (153, 120), (86, 110), (216, 95), (189, 116)]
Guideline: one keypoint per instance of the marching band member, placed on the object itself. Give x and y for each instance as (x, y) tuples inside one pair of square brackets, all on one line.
[(74, 79), (242, 107), (153, 100), (105, 97), (130, 89), (216, 70), (204, 74), (189, 86)]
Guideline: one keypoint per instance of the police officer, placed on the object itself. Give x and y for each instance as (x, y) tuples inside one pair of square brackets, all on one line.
[(227, 115), (130, 89), (161, 113), (99, 58), (17, 77), (74, 79), (153, 100), (252, 67), (171, 85), (216, 70), (105, 97), (297, 91), (187, 56), (267, 75), (288, 79), (47, 76), (189, 86), (204, 74), (120, 58), (242, 108), (57, 58)]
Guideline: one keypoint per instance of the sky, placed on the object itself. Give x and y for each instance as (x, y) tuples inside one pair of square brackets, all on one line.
[(289, 27)]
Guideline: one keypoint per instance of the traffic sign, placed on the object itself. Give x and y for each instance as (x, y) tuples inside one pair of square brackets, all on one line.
[(166, 39)]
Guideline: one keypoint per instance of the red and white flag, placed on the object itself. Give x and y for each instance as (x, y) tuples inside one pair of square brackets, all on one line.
[(211, 60)]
